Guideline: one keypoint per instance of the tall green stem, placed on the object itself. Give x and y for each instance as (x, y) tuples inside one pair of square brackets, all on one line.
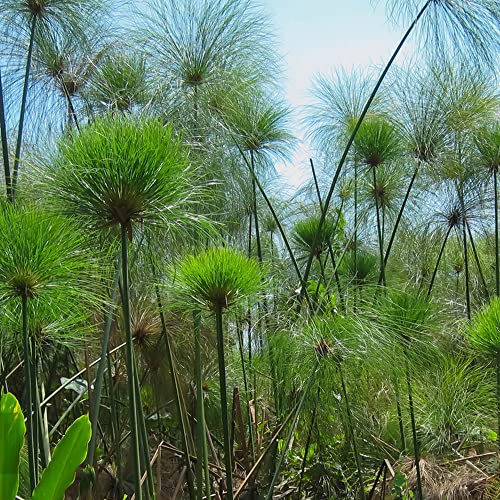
[(250, 219), (201, 452), (143, 435), (255, 214), (29, 395), (379, 229), (416, 448), (354, 133), (200, 421), (308, 443), (476, 258), (115, 426), (223, 402), (355, 250), (400, 413), (398, 219), (351, 432), (330, 249), (178, 397), (5, 147), (71, 108), (498, 397), (291, 431), (466, 265), (134, 430), (431, 284), (17, 157), (276, 219), (247, 391), (96, 400), (497, 264), (36, 408)]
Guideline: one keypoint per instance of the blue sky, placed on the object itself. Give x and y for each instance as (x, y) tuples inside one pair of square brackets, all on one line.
[(317, 36)]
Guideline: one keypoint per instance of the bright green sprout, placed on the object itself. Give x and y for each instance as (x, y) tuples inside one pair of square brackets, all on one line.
[(217, 278)]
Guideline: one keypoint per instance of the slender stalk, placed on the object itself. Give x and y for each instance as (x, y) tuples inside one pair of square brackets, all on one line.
[(291, 431), (355, 131), (355, 250), (322, 274), (71, 109), (200, 415), (330, 249), (316, 184), (400, 413), (379, 229), (134, 430), (200, 422), (431, 284), (497, 265), (250, 476), (29, 395), (375, 483), (36, 406), (115, 426), (383, 229), (52, 395), (178, 401), (143, 436), (416, 449), (5, 147), (476, 258), (206, 463), (245, 383), (276, 219), (96, 400), (250, 220), (255, 214), (308, 442), (17, 157), (498, 397), (351, 432), (66, 412), (223, 402), (398, 219), (466, 265)]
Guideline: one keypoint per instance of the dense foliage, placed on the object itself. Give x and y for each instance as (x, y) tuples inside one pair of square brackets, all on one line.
[(228, 340)]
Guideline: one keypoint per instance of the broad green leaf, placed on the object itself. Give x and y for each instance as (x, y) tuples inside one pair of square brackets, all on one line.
[(69, 453), (12, 430)]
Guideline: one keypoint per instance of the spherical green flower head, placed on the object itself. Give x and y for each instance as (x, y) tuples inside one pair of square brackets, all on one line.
[(377, 142), (40, 254), (56, 319), (484, 331), (217, 278), (488, 145), (407, 314), (120, 170), (334, 336), (304, 235)]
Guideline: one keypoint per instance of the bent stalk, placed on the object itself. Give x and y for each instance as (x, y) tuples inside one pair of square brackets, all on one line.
[(354, 133)]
